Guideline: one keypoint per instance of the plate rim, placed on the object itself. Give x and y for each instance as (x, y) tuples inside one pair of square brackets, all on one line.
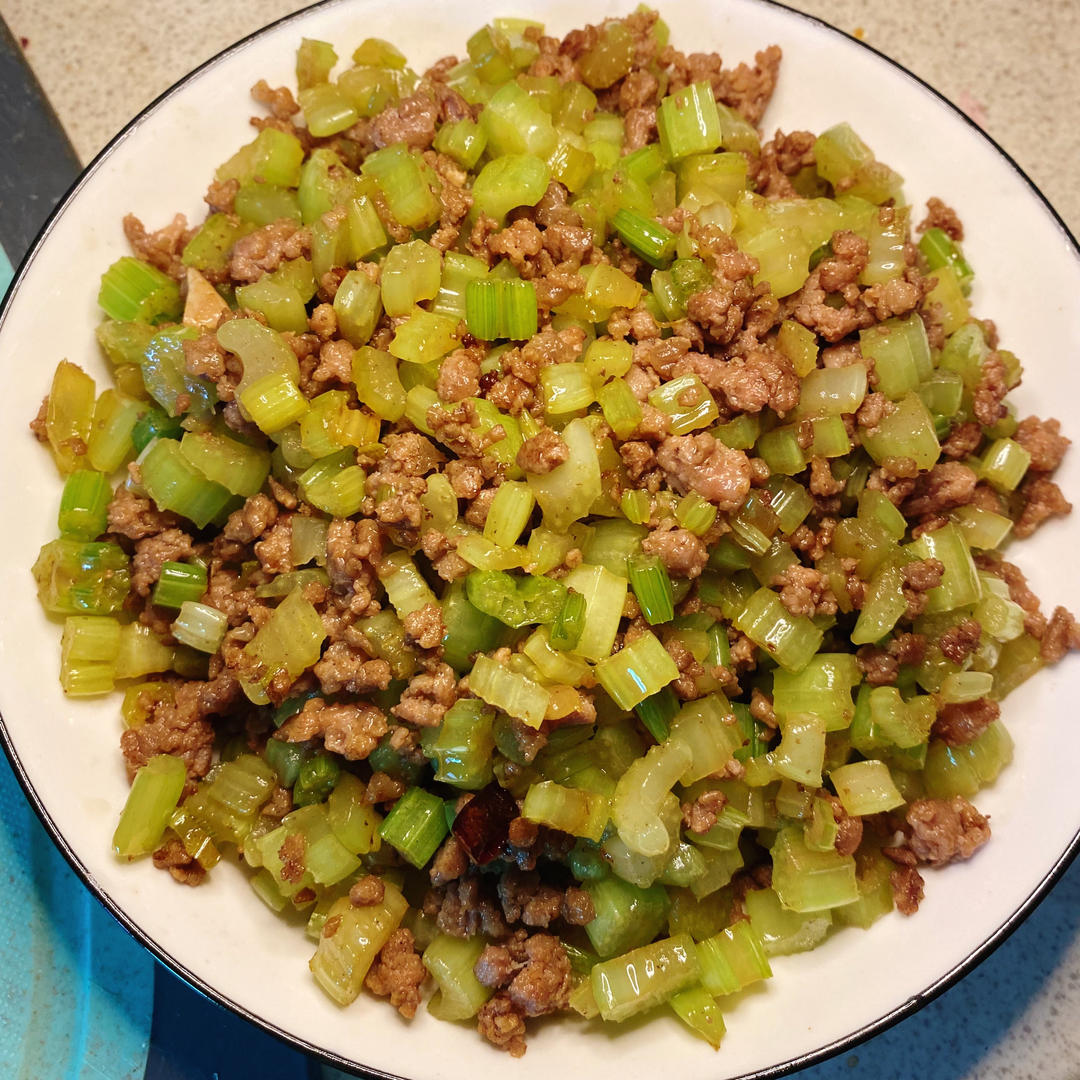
[(823, 1053)]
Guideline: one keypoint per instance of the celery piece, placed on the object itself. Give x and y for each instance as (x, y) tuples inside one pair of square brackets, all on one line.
[(316, 779), (822, 687), (450, 962), (705, 727), (686, 402), (569, 624), (638, 980), (274, 402), (509, 513), (621, 408), (516, 601), (637, 806), (695, 513), (791, 640), (263, 204), (799, 345), (866, 787), (88, 651), (123, 342), (960, 583), (403, 184), (949, 293), (468, 630), (698, 1010), (154, 793), (378, 384), (179, 582), (807, 880), (875, 892), (781, 931), (652, 588), (134, 291), (327, 110), (516, 123), (610, 543), (657, 711), (343, 957), (832, 391), (906, 432), (688, 122), (509, 181), (638, 671), (358, 305), (647, 238), (111, 440), (732, 959), (605, 359), (901, 354), (175, 484), (353, 820), (567, 388), (567, 493), (514, 693), (405, 587), (237, 466), (1004, 463), (464, 745), (286, 758), (939, 250), (290, 641), (849, 165), (165, 375), (410, 273), (464, 141), (801, 751), (279, 302), (415, 826), (579, 813), (458, 271), (84, 504), (424, 337), (69, 415), (272, 157)]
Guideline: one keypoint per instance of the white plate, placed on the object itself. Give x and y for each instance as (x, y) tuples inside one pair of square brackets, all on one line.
[(219, 936)]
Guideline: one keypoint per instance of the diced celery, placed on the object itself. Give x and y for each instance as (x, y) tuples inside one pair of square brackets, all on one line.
[(154, 793), (807, 880)]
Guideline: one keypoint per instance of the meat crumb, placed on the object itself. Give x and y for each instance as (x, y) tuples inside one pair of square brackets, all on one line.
[(943, 830), (398, 973)]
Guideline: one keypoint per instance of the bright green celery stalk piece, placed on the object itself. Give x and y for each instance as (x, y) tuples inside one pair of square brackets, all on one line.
[(732, 960), (354, 821), (689, 122), (866, 787), (84, 504), (510, 181), (649, 239), (88, 651), (567, 628), (626, 916), (424, 337), (179, 582), (939, 250), (416, 826), (291, 641), (781, 931), (621, 408), (167, 380), (175, 484), (652, 587), (378, 384), (656, 713), (450, 962), (111, 440), (960, 583), (231, 797), (200, 626), (637, 671), (807, 880), (638, 980), (698, 1010), (134, 291), (801, 752), (154, 793), (316, 780), (235, 465), (824, 687), (402, 182), (468, 630), (514, 693), (509, 513), (791, 640), (704, 727), (77, 578), (464, 745)]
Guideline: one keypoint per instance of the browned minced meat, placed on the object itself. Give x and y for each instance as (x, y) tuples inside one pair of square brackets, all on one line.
[(805, 591), (526, 899), (943, 487), (940, 215), (172, 545), (762, 377), (274, 550), (963, 440), (449, 863), (267, 248), (849, 830), (502, 1024), (398, 973), (383, 788), (459, 375), (352, 731), (943, 830), (161, 248), (171, 856), (348, 666), (703, 464), (425, 626), (535, 971), (178, 725), (279, 100), (907, 889), (1041, 500), (1062, 634), (873, 410), (221, 195), (683, 553), (466, 907), (744, 88), (427, 697), (961, 640), (411, 121), (822, 481), (353, 550), (38, 424), (542, 452), (203, 356), (963, 722), (782, 157), (991, 391), (252, 519), (1043, 440), (700, 815), (135, 516), (367, 891), (919, 578), (877, 666)]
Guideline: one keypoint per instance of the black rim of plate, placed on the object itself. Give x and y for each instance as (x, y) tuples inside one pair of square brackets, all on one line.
[(847, 1042)]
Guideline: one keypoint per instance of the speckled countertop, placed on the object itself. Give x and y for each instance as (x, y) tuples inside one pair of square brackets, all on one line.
[(1014, 67)]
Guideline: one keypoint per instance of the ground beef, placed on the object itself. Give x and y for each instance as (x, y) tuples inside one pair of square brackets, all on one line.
[(411, 121), (220, 197), (907, 889), (265, 249), (1040, 499), (1043, 440), (877, 666), (941, 216), (542, 452), (279, 100), (961, 640), (425, 626), (177, 724), (352, 731), (703, 464), (526, 899), (162, 248), (944, 487), (943, 830), (398, 973), (172, 545), (136, 517), (873, 410), (353, 551), (700, 815), (849, 830), (173, 857), (961, 723), (963, 440), (805, 591), (459, 375), (466, 907), (502, 1024), (252, 519), (919, 578), (274, 550), (1062, 634), (991, 391), (367, 891), (345, 666), (781, 158), (822, 482), (683, 553), (449, 863), (427, 697), (383, 788)]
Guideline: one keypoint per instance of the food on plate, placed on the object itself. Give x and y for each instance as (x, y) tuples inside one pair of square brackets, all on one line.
[(550, 531)]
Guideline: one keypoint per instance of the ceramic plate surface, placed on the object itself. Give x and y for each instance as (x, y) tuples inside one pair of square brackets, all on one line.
[(219, 935)]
